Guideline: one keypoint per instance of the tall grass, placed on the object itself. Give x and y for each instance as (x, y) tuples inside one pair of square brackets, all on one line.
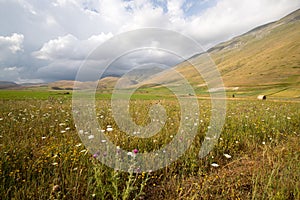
[(42, 157)]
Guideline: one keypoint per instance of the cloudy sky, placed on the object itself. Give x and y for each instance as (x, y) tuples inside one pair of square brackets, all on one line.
[(43, 41)]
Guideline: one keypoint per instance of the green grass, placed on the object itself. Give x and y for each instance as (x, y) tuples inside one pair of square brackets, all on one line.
[(274, 92), (45, 94), (41, 94), (42, 157)]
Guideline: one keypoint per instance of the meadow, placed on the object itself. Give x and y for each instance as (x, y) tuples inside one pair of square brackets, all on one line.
[(42, 157)]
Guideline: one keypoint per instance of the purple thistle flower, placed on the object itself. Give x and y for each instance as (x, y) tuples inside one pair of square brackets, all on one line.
[(96, 154), (135, 151)]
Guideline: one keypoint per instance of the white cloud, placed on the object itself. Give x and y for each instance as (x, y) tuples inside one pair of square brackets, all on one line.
[(230, 18), (10, 73), (10, 69), (57, 48), (10, 45), (145, 17), (175, 10), (27, 80), (61, 33), (69, 47)]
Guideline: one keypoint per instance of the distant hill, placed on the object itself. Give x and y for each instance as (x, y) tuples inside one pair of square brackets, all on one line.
[(105, 83), (133, 77), (8, 85), (68, 85)]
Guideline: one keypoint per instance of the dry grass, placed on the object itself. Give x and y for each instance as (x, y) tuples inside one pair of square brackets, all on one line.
[(43, 158)]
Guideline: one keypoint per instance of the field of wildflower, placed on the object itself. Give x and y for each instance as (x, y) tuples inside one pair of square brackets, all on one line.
[(42, 157)]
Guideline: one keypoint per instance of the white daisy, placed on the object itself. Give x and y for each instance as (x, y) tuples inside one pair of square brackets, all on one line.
[(215, 165), (227, 155)]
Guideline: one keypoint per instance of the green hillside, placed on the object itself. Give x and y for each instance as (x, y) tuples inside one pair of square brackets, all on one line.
[(264, 56), (265, 60)]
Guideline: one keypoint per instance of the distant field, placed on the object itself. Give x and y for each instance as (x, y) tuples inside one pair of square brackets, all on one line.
[(276, 92), (42, 157), (45, 94), (30, 94)]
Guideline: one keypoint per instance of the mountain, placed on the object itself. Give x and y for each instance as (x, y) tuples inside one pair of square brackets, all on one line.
[(104, 83), (266, 55), (267, 58), (8, 85), (132, 78), (69, 85)]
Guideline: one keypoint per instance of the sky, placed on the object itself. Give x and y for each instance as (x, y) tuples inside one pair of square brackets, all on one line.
[(43, 41)]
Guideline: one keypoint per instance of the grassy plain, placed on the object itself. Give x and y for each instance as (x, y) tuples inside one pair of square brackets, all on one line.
[(42, 157)]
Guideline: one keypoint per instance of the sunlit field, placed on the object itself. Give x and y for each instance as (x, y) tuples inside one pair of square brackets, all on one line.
[(42, 157)]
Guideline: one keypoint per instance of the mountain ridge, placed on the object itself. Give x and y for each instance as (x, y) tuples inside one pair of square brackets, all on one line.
[(266, 56), (8, 85)]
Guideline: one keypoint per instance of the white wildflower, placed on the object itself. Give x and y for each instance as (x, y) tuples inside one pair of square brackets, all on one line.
[(227, 155), (91, 137), (130, 154), (215, 165)]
